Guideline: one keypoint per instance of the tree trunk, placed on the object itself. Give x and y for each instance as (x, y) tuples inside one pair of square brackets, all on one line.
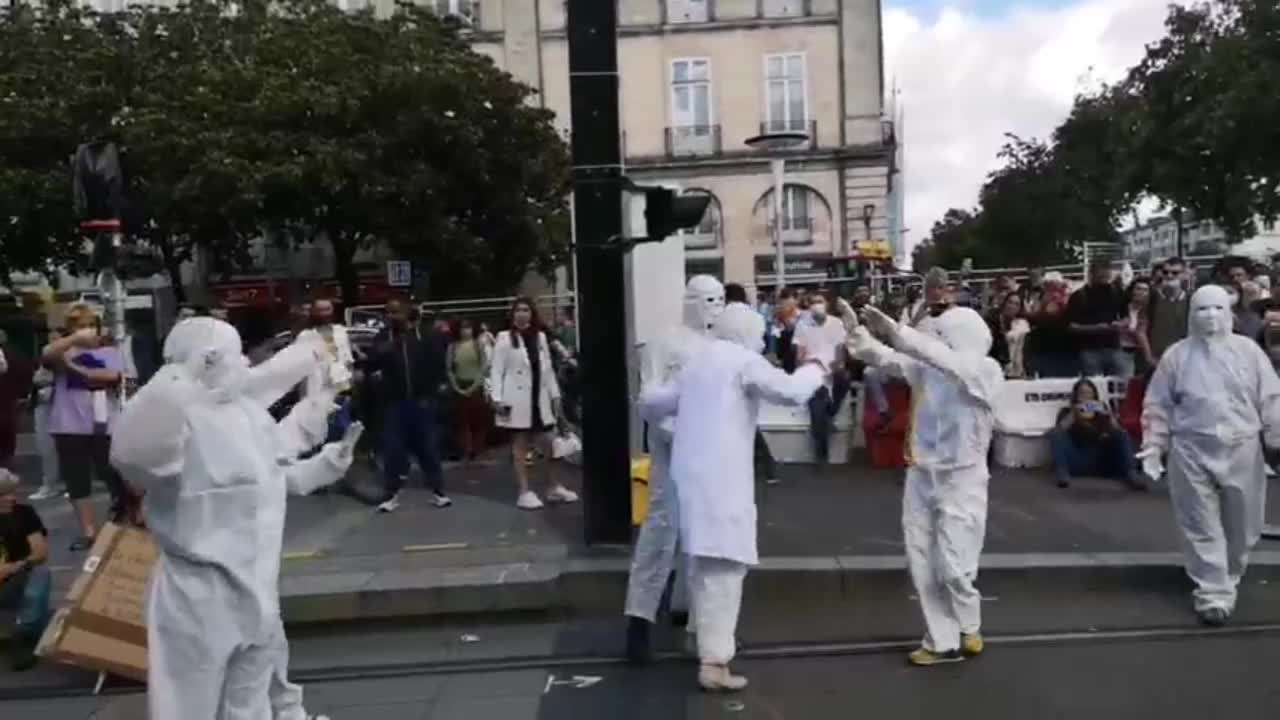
[(344, 268), (172, 266)]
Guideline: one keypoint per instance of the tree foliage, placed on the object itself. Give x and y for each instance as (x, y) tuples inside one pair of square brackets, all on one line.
[(294, 121), (1195, 124)]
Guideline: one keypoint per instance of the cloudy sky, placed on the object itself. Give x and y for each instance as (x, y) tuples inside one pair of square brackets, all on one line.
[(969, 71)]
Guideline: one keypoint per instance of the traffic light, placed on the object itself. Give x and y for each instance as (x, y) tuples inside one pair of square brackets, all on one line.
[(666, 212)]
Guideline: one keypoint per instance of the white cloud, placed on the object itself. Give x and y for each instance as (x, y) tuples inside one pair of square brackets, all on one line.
[(966, 79)]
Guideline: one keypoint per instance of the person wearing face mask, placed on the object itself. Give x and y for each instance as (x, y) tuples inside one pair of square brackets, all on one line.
[(216, 469), (821, 330), (1170, 304), (655, 555), (715, 403), (944, 506), (1212, 402)]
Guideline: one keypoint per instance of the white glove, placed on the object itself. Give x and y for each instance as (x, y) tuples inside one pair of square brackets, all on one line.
[(847, 315), (1152, 464), (879, 323), (859, 342), (347, 446)]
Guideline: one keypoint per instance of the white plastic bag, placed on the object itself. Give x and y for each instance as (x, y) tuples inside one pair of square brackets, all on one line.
[(566, 447)]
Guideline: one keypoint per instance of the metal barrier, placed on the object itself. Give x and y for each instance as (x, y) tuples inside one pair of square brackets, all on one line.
[(478, 308)]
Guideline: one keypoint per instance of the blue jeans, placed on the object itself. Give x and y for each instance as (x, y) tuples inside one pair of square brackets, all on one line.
[(1111, 457), (410, 429), (1111, 362), (822, 411), (29, 593)]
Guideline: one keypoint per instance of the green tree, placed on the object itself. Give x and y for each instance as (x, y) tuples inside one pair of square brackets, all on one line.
[(952, 239)]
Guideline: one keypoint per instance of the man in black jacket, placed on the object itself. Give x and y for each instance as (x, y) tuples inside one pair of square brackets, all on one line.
[(411, 364)]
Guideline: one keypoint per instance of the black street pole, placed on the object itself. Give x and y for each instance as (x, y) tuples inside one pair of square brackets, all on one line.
[(597, 213)]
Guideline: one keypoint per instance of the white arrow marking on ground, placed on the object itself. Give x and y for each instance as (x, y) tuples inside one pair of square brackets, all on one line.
[(577, 682)]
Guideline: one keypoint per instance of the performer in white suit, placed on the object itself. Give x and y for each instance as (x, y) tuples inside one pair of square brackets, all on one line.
[(216, 469), (655, 555), (1211, 403), (716, 404), (944, 506)]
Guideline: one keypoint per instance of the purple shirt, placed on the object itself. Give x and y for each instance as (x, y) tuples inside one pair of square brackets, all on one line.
[(71, 412)]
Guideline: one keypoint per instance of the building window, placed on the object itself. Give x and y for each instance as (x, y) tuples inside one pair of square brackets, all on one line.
[(688, 11), (690, 103), (706, 236), (796, 214), (465, 9), (787, 103), (786, 8)]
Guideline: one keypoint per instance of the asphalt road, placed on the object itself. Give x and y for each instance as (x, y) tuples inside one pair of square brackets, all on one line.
[(1203, 676)]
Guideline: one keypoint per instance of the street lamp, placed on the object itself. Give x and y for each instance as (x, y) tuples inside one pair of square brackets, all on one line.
[(778, 142)]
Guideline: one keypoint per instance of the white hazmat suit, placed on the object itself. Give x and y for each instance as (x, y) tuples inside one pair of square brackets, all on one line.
[(655, 555), (716, 402), (954, 385), (216, 469), (1212, 397)]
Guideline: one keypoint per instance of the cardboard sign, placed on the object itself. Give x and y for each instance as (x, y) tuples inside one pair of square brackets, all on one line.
[(102, 625)]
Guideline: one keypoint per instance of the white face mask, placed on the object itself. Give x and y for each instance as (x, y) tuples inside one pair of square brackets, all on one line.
[(1210, 312), (818, 310)]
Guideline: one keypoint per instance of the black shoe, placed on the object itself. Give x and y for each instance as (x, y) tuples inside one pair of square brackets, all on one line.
[(82, 544), (24, 656), (679, 618), (1064, 482), (639, 647), (1213, 617), (1136, 484)]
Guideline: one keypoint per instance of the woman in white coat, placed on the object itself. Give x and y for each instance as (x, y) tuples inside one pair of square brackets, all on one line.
[(526, 397)]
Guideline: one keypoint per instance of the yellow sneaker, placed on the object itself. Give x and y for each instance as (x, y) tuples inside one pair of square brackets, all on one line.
[(971, 645), (925, 657)]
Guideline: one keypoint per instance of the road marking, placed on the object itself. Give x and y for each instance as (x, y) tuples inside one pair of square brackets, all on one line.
[(302, 555), (434, 548), (577, 682)]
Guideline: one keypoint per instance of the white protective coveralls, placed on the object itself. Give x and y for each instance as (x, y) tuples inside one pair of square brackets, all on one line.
[(716, 405), (1212, 397), (954, 385), (655, 552), (216, 469)]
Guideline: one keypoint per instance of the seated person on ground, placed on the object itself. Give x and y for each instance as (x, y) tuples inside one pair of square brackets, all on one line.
[(25, 581), (1089, 442)]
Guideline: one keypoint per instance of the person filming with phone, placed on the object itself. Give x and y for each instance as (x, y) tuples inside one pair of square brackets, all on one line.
[(1088, 442)]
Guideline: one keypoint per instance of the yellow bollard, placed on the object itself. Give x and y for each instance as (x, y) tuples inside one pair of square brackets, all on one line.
[(639, 489)]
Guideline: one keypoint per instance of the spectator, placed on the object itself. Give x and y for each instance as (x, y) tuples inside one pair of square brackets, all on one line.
[(1089, 442), (822, 330), (1096, 316), (467, 364), (486, 338), (1170, 304), (526, 398), (1009, 329), (1050, 346), (8, 405), (413, 375), (87, 376), (567, 332), (25, 581), (784, 328), (218, 311), (861, 297), (1133, 338), (41, 397), (1247, 319), (338, 370), (1032, 291)]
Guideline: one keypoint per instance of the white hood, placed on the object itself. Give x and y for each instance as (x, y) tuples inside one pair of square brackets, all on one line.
[(964, 331), (740, 325), (703, 302), (210, 352)]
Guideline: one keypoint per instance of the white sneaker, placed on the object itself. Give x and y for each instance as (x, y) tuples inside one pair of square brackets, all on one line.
[(561, 494), (390, 505), (1271, 472), (440, 500), (717, 678), (528, 500), (44, 493)]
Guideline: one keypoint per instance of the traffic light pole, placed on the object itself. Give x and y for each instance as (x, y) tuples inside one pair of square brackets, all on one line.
[(602, 315)]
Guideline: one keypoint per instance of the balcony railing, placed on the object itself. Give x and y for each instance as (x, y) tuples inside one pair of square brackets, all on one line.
[(781, 125), (693, 141), (690, 11), (797, 230)]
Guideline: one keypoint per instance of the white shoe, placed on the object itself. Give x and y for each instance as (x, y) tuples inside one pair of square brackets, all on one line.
[(390, 505), (528, 500), (561, 494), (1271, 472), (717, 678), (44, 493), (440, 500)]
